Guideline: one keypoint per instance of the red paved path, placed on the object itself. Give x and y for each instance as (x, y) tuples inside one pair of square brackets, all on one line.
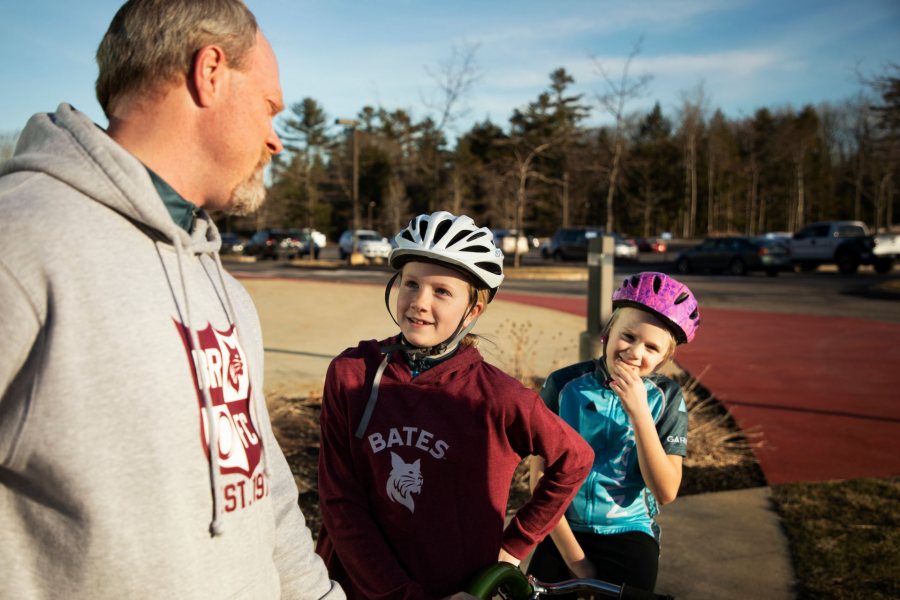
[(823, 391)]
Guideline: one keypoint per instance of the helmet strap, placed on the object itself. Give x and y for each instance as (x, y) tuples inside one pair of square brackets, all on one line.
[(387, 296), (417, 353)]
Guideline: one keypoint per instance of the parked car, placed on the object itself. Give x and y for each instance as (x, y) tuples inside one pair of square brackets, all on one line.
[(370, 244), (736, 255), (625, 248), (507, 240), (651, 245), (267, 243), (297, 244), (782, 236), (232, 243), (847, 244), (571, 243)]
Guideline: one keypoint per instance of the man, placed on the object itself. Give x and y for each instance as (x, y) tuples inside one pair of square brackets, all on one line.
[(136, 455)]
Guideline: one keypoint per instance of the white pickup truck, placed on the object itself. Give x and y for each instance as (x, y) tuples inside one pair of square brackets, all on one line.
[(848, 244)]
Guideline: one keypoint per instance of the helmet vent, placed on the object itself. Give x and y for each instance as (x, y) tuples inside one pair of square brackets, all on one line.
[(441, 230), (681, 298), (457, 238), (490, 268), (406, 235), (693, 316), (657, 283), (635, 280), (478, 234), (481, 249), (423, 227)]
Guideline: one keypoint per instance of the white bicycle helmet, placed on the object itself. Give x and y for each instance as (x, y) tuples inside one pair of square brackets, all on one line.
[(455, 241)]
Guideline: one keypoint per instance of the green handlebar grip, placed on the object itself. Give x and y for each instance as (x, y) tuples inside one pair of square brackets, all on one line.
[(486, 582)]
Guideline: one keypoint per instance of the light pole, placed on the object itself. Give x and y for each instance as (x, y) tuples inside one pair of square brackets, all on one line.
[(352, 124)]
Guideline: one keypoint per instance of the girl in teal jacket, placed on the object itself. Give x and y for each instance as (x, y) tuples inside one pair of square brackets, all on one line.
[(636, 421)]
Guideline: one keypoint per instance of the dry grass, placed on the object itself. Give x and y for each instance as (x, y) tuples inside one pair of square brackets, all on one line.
[(515, 349), (720, 455), (295, 422), (844, 537)]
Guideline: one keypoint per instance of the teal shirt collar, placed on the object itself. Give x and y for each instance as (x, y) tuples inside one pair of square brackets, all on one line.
[(182, 212)]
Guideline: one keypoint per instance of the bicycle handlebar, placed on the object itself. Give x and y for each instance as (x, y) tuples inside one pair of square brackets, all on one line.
[(492, 577), (522, 587)]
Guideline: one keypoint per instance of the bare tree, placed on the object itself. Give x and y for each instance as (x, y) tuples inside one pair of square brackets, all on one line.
[(306, 125), (888, 143), (524, 171), (396, 202), (454, 79), (802, 132), (694, 105), (862, 133), (720, 159), (614, 101)]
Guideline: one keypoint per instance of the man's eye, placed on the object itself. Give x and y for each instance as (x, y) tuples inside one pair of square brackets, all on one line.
[(627, 337)]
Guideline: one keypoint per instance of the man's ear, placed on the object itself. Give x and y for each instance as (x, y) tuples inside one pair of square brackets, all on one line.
[(208, 74)]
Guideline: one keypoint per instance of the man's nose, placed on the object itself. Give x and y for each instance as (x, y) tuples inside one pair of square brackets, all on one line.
[(273, 142)]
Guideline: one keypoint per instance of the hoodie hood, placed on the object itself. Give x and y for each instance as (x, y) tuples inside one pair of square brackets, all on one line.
[(437, 376), (65, 146), (463, 358)]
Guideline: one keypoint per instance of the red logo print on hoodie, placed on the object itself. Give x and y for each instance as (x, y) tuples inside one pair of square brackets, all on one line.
[(221, 357)]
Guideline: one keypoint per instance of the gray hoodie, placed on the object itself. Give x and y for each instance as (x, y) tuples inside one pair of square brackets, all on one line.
[(126, 353)]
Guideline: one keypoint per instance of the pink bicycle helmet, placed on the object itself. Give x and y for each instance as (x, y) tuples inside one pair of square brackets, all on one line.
[(666, 298)]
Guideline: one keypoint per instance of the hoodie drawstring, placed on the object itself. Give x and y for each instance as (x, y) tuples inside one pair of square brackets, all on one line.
[(257, 396), (215, 526), (373, 395)]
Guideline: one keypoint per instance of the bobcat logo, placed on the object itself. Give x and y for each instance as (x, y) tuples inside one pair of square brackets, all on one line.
[(405, 480), (235, 366)]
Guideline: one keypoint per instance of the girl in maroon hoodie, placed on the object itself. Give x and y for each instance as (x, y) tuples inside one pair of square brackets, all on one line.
[(420, 436)]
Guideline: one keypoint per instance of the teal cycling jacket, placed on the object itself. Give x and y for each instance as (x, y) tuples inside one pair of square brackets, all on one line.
[(614, 498)]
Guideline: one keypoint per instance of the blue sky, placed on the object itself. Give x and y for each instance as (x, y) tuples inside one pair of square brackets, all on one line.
[(746, 53)]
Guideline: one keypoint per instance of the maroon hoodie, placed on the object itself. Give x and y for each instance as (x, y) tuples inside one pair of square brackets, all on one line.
[(416, 506)]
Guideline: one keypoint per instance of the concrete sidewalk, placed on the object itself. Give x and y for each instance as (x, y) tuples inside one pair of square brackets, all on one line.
[(723, 545)]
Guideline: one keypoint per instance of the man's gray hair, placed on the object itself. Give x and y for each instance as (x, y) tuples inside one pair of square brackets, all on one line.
[(151, 43)]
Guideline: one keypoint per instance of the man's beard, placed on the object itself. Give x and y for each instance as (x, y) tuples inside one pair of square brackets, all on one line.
[(248, 195)]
